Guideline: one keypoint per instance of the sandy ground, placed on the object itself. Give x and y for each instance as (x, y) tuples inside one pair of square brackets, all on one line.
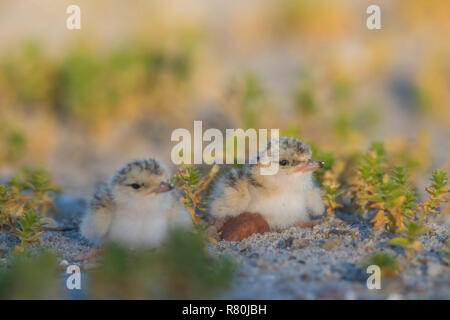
[(323, 262)]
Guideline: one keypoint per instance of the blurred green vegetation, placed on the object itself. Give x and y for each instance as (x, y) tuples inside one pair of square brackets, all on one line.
[(30, 277), (86, 83), (13, 143), (180, 269), (305, 99), (249, 97), (28, 75)]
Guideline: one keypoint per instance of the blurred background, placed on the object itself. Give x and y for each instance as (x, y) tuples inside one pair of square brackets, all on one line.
[(81, 103)]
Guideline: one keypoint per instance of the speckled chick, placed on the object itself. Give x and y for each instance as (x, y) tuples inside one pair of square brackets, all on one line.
[(284, 199), (136, 207)]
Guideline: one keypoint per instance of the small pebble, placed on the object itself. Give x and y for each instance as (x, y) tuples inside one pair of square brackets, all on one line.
[(395, 296), (435, 269), (300, 244), (281, 244), (64, 263), (331, 244), (242, 246), (331, 293)]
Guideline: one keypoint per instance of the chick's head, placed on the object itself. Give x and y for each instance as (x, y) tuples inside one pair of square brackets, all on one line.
[(292, 155), (141, 178)]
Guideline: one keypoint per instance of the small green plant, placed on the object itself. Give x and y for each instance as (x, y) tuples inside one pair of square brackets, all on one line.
[(391, 194), (409, 237), (23, 202), (332, 188), (192, 186), (369, 177), (438, 193), (388, 263), (395, 204), (28, 230)]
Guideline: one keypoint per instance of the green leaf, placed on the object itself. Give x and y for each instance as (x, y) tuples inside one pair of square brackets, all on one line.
[(399, 242)]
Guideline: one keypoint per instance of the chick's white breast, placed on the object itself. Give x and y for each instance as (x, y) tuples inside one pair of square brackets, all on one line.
[(140, 223), (286, 203), (280, 210)]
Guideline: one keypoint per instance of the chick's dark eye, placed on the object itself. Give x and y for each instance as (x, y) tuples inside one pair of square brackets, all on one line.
[(284, 162), (135, 186)]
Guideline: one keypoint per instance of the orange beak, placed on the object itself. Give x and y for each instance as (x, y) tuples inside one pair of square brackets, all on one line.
[(163, 187), (311, 165)]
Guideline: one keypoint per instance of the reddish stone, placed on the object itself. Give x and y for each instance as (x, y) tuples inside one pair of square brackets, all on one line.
[(243, 226)]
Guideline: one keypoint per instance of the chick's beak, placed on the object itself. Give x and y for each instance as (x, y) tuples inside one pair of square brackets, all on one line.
[(311, 165), (163, 187)]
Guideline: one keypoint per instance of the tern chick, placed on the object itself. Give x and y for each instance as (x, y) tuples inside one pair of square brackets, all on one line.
[(287, 198), (136, 207)]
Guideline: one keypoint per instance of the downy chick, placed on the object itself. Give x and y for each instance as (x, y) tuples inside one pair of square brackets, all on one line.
[(136, 207), (285, 199)]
